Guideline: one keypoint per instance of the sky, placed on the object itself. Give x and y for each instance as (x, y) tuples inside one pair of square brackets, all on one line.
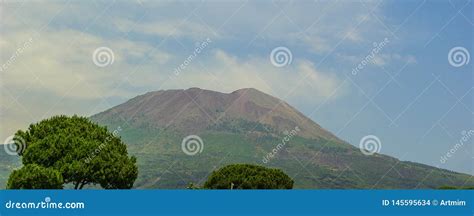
[(398, 70)]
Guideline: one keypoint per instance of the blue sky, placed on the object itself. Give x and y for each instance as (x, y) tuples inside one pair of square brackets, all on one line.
[(408, 95)]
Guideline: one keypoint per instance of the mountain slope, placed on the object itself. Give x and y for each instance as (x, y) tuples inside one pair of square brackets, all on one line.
[(195, 110), (243, 127), (8, 163)]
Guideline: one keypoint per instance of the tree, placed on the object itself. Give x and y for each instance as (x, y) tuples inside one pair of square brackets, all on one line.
[(82, 151), (246, 176), (450, 187), (33, 176)]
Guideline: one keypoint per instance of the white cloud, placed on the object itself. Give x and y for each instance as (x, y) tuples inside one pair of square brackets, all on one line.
[(61, 59), (55, 74), (225, 72)]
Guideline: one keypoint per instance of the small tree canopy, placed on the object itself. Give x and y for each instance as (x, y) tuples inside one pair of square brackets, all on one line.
[(33, 176), (82, 151), (450, 187), (246, 176)]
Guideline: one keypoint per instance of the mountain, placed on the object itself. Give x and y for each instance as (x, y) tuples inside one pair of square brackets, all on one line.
[(196, 110), (8, 163), (244, 127)]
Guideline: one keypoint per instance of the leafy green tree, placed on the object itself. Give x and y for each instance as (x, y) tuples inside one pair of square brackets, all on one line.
[(246, 176), (82, 151), (33, 176)]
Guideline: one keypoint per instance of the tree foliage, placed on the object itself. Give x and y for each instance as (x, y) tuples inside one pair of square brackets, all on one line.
[(450, 187), (246, 176), (82, 151), (33, 176)]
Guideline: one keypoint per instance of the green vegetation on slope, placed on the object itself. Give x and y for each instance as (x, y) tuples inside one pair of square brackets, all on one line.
[(246, 176), (8, 163), (312, 163)]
